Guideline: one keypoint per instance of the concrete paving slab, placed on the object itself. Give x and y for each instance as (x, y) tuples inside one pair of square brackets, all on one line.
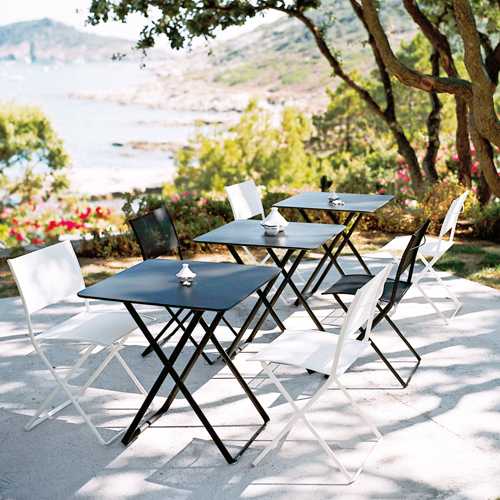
[(441, 434)]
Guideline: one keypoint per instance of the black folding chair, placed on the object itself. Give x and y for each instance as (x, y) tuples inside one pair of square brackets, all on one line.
[(394, 291), (157, 237)]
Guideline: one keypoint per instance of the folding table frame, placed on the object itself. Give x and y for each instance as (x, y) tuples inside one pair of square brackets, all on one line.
[(355, 206), (287, 280), (217, 288), (298, 237), (168, 369)]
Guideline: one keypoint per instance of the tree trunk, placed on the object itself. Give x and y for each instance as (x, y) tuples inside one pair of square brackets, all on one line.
[(485, 155), (483, 190), (433, 126), (406, 150), (463, 143)]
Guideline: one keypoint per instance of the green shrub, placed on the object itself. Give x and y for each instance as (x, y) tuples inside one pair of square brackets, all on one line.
[(254, 148), (486, 221)]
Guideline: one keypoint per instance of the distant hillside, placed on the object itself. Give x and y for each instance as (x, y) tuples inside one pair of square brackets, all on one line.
[(46, 40), (283, 54)]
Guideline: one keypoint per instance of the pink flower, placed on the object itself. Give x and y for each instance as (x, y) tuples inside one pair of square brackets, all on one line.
[(85, 214), (475, 167), (68, 224), (52, 225), (454, 157), (175, 198)]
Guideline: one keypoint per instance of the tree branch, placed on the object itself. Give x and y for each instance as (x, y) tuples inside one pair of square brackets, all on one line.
[(483, 88), (404, 146), (385, 77), (406, 75), (434, 35)]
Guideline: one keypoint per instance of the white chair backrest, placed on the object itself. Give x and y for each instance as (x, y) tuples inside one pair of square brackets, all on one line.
[(451, 219), (47, 276), (245, 200), (361, 312)]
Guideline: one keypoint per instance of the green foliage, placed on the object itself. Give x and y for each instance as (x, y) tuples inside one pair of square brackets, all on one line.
[(253, 148), (487, 221), (26, 136), (183, 21), (29, 143)]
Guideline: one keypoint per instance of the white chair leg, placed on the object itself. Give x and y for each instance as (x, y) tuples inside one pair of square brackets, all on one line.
[(301, 414), (431, 302), (429, 270), (36, 419), (130, 373), (451, 293), (72, 399), (358, 410)]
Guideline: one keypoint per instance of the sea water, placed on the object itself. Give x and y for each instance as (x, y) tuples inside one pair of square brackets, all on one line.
[(90, 127)]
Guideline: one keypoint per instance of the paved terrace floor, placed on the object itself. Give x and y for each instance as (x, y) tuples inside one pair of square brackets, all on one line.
[(441, 435)]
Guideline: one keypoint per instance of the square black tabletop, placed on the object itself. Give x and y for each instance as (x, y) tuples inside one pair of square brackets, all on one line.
[(250, 233), (217, 287), (366, 203)]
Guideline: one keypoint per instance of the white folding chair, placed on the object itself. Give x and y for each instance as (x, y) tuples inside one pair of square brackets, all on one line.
[(46, 277), (430, 252), (329, 354), (246, 203)]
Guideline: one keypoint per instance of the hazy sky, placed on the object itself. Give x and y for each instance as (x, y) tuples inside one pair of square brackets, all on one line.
[(74, 12)]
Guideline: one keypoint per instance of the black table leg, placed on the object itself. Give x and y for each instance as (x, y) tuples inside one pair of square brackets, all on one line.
[(262, 296), (173, 318), (237, 341), (287, 277), (351, 244), (327, 254), (275, 297), (133, 430), (346, 238)]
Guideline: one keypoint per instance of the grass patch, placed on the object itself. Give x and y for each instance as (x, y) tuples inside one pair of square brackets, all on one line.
[(477, 261), (451, 264)]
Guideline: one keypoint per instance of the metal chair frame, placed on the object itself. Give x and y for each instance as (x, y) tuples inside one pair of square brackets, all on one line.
[(161, 214), (406, 264), (360, 313), (46, 277)]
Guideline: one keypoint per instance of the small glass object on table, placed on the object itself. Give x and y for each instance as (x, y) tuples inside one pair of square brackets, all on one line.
[(186, 276), (274, 223)]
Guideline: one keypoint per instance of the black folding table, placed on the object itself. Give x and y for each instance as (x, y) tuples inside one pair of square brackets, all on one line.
[(298, 236), (218, 287), (356, 205)]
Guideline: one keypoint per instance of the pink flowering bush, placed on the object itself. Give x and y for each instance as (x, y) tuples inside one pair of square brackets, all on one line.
[(28, 223)]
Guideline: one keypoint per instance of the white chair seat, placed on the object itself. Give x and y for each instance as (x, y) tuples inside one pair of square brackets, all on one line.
[(312, 350), (431, 248), (100, 328)]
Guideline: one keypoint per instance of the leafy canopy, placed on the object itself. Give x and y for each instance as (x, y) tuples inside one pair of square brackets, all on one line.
[(183, 20), (273, 155), (29, 143)]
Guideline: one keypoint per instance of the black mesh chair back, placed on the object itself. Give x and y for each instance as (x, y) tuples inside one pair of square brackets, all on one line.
[(407, 262), (156, 234)]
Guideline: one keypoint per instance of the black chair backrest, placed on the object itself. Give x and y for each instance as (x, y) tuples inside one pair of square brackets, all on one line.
[(409, 257), (156, 234)]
